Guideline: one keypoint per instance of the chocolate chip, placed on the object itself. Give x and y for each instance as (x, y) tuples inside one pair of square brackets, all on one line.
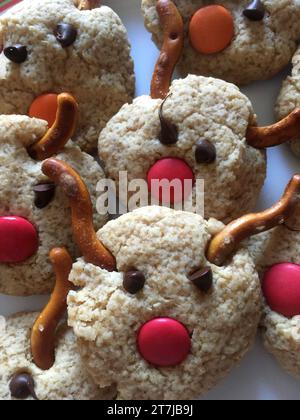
[(16, 53), (168, 131), (22, 386), (205, 152), (255, 11), (133, 281), (44, 194), (203, 279), (65, 34)]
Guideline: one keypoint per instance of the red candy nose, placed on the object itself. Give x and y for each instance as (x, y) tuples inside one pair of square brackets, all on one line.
[(18, 239), (281, 287), (171, 169), (164, 342)]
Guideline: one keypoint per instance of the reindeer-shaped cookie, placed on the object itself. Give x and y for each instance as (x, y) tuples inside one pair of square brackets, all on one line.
[(74, 46), (34, 214), (167, 303), (289, 98), (200, 128), (239, 41), (62, 376), (276, 254)]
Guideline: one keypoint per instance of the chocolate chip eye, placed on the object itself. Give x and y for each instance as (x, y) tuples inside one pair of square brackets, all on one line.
[(44, 194), (202, 279), (205, 152), (255, 11), (16, 53), (168, 131), (22, 386), (65, 34), (133, 281)]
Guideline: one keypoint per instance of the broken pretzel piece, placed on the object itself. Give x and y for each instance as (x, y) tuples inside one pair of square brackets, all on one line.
[(173, 29), (84, 233), (44, 329), (88, 4), (227, 241)]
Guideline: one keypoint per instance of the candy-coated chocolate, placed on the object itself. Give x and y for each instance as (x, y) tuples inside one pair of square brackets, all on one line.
[(164, 342), (211, 29), (18, 239), (45, 108), (281, 287), (171, 169)]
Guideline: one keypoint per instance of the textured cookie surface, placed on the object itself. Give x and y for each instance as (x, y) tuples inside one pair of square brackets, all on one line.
[(166, 246), (281, 335), (66, 380), (19, 175), (96, 68), (258, 50), (289, 97), (201, 108)]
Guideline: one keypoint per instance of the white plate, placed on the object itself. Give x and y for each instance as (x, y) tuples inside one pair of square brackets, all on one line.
[(258, 377)]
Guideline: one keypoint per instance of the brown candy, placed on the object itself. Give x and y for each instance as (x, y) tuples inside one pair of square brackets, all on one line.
[(255, 11), (65, 34), (202, 279), (169, 131), (44, 194), (205, 152), (22, 386), (133, 281), (16, 53)]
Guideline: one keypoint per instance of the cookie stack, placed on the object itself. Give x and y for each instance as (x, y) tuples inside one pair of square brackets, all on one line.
[(161, 302)]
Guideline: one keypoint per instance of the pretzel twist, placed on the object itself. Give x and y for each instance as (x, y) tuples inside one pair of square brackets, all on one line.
[(85, 236), (44, 328), (226, 242), (173, 30), (61, 131), (276, 134)]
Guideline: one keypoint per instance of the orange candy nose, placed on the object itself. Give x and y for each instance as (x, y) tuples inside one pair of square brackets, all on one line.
[(44, 107), (211, 29)]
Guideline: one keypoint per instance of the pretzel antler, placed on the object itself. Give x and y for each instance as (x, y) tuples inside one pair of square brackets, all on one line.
[(85, 236), (226, 242), (44, 329), (276, 134), (88, 4), (173, 29), (61, 131)]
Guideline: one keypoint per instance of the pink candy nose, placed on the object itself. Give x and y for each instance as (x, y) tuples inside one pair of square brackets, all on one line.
[(171, 169), (164, 342), (18, 239)]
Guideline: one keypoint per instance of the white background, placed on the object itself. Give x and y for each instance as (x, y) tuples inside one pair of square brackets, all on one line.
[(258, 377)]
